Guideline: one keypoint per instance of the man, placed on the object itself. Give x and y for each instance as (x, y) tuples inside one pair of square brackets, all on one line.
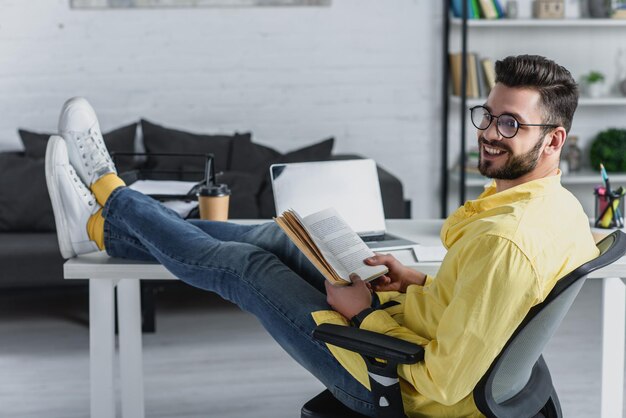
[(506, 249)]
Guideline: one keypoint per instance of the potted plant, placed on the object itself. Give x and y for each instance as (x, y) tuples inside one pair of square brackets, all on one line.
[(609, 148), (594, 83)]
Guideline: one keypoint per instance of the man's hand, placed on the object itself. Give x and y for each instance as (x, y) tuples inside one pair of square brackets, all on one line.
[(399, 276), (349, 300)]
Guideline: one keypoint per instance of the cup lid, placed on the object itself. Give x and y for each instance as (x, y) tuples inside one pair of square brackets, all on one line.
[(214, 190)]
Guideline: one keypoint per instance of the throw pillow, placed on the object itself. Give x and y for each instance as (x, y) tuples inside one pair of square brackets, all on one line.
[(252, 158), (24, 201), (117, 140), (244, 189), (159, 139)]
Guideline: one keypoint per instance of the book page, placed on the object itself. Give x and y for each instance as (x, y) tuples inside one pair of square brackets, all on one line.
[(342, 248)]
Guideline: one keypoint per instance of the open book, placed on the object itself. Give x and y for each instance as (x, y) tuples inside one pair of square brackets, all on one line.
[(330, 244)]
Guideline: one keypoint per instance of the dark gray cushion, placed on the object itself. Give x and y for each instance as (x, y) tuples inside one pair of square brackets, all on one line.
[(24, 201), (250, 157), (31, 259), (118, 140), (244, 189), (159, 139)]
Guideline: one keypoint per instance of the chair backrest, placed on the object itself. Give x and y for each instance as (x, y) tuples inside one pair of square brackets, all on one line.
[(518, 382)]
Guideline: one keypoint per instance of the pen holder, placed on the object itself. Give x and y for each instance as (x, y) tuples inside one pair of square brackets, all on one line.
[(609, 210)]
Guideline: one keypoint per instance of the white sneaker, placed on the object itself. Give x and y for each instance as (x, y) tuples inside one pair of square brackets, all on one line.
[(72, 202), (79, 126)]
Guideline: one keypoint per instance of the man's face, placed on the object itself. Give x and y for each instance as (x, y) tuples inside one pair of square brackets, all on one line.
[(511, 158)]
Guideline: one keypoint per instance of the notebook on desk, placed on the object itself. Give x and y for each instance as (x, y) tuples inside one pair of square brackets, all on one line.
[(350, 186)]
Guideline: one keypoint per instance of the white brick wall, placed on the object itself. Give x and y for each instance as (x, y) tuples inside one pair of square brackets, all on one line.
[(363, 71)]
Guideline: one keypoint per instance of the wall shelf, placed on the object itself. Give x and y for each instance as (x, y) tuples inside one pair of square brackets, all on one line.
[(583, 101), (585, 176), (526, 23)]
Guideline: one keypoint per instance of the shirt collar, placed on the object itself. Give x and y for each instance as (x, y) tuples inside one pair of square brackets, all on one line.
[(490, 199)]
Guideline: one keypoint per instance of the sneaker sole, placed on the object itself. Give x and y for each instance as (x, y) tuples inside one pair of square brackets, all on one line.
[(65, 243)]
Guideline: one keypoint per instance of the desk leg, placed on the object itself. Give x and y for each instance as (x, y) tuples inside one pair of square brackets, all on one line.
[(131, 363), (613, 320), (101, 347)]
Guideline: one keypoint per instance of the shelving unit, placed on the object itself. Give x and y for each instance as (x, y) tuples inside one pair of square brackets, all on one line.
[(539, 22), (584, 176), (463, 25), (583, 101)]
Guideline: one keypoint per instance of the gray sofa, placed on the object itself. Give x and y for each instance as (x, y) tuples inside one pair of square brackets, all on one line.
[(29, 254), (32, 259)]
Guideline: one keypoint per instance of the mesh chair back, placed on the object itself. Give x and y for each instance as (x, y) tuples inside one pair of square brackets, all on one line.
[(518, 359), (518, 383)]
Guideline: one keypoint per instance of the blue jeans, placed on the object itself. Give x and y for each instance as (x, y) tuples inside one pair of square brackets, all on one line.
[(256, 267)]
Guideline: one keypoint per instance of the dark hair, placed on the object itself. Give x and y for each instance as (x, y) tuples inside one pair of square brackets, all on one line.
[(555, 84)]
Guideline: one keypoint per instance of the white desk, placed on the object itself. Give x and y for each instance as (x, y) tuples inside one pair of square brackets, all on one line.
[(105, 274)]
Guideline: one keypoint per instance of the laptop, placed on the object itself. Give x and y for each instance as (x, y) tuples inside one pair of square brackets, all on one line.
[(350, 186)]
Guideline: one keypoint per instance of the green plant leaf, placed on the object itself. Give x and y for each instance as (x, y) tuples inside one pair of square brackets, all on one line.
[(609, 148), (593, 77)]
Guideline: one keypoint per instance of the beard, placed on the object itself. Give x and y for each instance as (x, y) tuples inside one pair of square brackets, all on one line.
[(516, 165)]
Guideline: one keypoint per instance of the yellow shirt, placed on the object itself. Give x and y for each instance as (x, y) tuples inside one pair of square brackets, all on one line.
[(505, 253)]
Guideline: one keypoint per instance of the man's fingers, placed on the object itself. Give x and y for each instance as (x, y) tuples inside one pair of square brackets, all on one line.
[(380, 259)]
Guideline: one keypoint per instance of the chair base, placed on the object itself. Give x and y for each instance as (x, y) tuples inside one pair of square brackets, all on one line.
[(325, 405)]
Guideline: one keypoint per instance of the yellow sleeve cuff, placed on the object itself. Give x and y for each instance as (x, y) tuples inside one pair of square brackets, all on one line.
[(379, 321)]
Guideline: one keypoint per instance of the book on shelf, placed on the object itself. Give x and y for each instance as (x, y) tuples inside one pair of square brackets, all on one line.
[(499, 8), (472, 76), (330, 244), (488, 9), (483, 91), (480, 75), (618, 9), (472, 8), (470, 172), (619, 14), (456, 66), (489, 71), (472, 158), (478, 9)]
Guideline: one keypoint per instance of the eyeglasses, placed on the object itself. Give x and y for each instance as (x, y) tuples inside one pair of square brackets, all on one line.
[(507, 125)]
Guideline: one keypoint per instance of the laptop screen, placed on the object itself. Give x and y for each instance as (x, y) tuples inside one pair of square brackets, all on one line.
[(350, 186)]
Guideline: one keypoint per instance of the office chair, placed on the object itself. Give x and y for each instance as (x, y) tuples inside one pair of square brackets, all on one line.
[(518, 382)]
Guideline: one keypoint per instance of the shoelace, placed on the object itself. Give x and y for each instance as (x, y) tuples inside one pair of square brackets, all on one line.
[(81, 187), (89, 146)]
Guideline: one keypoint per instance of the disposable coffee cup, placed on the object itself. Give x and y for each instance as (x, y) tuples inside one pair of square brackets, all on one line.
[(213, 202)]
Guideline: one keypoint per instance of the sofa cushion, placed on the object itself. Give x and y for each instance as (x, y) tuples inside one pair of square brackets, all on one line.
[(159, 139), (118, 140), (244, 189), (24, 201), (256, 158), (31, 259), (250, 157)]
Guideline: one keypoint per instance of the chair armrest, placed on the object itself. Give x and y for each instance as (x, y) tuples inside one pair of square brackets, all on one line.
[(369, 343)]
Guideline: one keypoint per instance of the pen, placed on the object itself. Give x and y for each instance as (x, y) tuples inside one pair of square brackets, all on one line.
[(618, 195), (605, 178)]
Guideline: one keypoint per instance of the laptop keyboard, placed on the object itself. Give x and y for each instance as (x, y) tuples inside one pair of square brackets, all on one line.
[(375, 238)]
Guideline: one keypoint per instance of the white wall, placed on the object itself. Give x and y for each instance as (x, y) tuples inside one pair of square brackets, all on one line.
[(364, 71)]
